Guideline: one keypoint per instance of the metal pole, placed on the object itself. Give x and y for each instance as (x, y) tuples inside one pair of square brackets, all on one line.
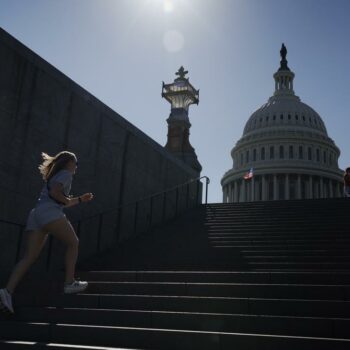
[(176, 201), (187, 194), (19, 243), (78, 229), (164, 206), (150, 212), (135, 216), (197, 195), (206, 190), (99, 232), (118, 224), (49, 254)]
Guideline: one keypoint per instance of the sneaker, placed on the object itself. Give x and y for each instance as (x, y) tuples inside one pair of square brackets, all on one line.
[(75, 287), (6, 301)]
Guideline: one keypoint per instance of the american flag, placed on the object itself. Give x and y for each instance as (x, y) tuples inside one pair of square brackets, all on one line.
[(249, 174)]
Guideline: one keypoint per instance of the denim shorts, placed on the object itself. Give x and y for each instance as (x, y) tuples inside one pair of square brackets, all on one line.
[(42, 215)]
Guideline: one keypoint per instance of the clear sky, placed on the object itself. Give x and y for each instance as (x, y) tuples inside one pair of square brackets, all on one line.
[(122, 50)]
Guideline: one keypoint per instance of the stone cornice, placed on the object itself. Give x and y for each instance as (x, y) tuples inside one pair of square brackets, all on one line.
[(280, 132), (279, 140), (232, 175)]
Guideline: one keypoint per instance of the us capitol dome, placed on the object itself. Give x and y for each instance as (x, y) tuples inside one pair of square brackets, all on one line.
[(285, 151)]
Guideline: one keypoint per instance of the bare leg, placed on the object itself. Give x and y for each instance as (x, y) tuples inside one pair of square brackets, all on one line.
[(64, 231), (35, 242)]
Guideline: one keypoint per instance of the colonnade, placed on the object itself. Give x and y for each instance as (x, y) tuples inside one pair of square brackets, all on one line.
[(281, 186)]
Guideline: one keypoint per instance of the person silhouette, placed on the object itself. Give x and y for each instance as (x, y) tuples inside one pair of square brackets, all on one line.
[(48, 217), (347, 183)]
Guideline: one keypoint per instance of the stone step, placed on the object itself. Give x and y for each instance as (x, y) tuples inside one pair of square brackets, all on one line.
[(263, 229), (297, 258), (324, 229), (275, 233), (260, 246), (299, 265), (161, 338), (275, 228), (252, 245), (28, 345), (272, 206), (299, 240), (284, 252), (196, 321), (292, 291), (299, 217), (299, 221), (234, 305), (224, 262), (282, 244), (276, 212), (263, 220), (267, 237), (273, 213), (330, 237), (238, 254), (230, 253), (290, 213), (218, 276)]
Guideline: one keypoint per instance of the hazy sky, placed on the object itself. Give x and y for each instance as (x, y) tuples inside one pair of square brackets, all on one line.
[(122, 50)]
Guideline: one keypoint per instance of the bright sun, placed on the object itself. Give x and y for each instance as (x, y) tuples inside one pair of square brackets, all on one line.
[(168, 6)]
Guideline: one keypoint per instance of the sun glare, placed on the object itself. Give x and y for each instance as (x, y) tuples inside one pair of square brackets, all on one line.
[(168, 6), (173, 40)]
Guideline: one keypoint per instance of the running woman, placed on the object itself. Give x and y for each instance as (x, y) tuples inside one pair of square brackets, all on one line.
[(48, 217)]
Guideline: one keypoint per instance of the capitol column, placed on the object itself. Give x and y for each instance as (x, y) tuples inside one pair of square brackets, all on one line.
[(253, 189), (230, 198), (275, 197), (235, 192), (287, 186), (299, 187), (321, 188), (224, 195), (244, 194), (330, 183), (263, 182), (311, 186)]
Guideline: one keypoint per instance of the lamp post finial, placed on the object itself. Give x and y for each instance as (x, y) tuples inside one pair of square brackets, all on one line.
[(181, 73)]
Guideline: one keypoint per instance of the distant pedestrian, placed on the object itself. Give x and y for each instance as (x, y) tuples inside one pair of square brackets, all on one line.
[(347, 183), (48, 217)]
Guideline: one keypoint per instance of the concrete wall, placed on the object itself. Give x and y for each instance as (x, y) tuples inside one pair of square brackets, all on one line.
[(43, 110)]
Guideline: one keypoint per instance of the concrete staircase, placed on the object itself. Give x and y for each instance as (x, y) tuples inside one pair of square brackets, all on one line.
[(267, 275)]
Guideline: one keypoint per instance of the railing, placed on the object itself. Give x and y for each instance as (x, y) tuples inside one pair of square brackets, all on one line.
[(170, 209), (150, 199), (21, 228)]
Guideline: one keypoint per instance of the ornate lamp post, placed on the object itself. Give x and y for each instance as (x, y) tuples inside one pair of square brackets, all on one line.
[(181, 94)]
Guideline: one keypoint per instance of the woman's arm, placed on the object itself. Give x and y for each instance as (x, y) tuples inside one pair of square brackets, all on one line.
[(57, 193)]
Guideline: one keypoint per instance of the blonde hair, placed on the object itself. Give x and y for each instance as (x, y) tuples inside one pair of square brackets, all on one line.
[(52, 165)]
